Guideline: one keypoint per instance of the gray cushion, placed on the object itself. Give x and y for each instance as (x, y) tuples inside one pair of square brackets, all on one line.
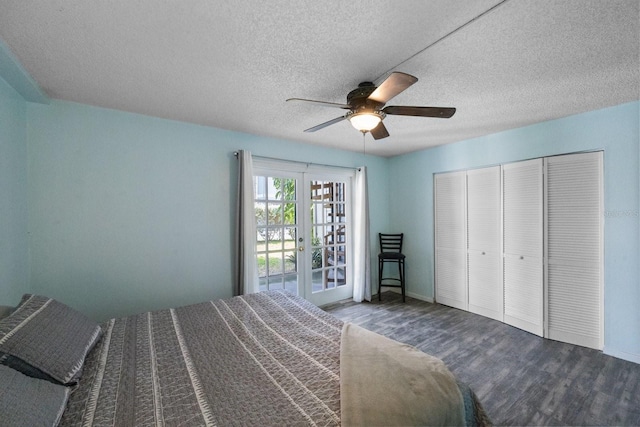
[(26, 401), (46, 339)]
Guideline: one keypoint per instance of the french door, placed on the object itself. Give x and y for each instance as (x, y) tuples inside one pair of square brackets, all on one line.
[(303, 224)]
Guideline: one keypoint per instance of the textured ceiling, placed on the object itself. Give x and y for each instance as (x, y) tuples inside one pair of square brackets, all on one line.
[(232, 65)]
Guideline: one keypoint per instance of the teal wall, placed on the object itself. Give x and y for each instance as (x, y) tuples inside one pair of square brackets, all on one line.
[(115, 213), (131, 213), (14, 256), (614, 130)]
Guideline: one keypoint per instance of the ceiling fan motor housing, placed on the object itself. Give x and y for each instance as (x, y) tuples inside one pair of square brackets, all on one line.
[(359, 100)]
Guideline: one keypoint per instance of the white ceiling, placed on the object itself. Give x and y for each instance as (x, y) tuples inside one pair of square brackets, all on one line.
[(232, 64)]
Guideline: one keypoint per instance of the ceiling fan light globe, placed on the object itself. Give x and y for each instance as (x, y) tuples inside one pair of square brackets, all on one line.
[(364, 122)]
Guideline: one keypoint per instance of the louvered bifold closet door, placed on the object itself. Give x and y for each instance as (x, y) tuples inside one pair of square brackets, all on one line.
[(574, 273), (522, 235), (450, 239), (484, 231)]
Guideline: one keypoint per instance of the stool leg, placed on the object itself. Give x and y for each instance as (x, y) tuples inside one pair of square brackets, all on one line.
[(380, 264), (401, 270)]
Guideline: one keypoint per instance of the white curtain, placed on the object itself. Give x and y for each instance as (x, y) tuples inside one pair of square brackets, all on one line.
[(362, 242), (246, 270)]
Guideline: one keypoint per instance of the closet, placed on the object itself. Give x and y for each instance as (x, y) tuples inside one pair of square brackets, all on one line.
[(522, 243)]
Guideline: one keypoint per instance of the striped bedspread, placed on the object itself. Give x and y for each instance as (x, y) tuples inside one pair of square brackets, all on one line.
[(262, 359)]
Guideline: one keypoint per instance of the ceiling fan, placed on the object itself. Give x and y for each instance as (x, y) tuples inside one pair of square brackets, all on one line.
[(366, 102)]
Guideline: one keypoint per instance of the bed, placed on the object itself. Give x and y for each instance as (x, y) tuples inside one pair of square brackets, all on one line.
[(270, 358)]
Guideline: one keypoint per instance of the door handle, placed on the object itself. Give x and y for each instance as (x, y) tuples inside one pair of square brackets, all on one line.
[(300, 248)]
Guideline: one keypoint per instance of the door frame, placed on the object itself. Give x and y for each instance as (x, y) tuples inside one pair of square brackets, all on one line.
[(305, 173)]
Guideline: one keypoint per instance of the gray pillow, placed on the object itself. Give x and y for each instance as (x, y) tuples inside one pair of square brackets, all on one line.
[(46, 339), (5, 310), (26, 401)]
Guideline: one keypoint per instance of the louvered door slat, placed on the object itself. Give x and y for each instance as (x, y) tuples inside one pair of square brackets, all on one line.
[(485, 284), (450, 210), (574, 248), (522, 235), (450, 239), (451, 271), (484, 230)]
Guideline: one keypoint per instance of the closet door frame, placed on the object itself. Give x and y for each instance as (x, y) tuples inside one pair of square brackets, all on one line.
[(541, 328)]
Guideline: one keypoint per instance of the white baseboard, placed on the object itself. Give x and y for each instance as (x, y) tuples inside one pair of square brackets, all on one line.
[(630, 357), (409, 294), (420, 297)]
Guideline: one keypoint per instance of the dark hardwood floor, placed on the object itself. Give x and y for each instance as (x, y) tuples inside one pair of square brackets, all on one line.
[(521, 379)]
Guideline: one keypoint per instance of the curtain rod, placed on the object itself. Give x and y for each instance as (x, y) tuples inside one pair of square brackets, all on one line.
[(235, 153)]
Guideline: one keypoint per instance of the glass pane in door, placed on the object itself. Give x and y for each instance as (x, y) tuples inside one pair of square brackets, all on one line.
[(328, 235), (276, 213)]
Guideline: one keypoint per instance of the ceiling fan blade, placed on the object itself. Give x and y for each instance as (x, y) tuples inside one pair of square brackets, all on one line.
[(392, 86), (325, 124), (440, 112), (321, 103), (379, 131)]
